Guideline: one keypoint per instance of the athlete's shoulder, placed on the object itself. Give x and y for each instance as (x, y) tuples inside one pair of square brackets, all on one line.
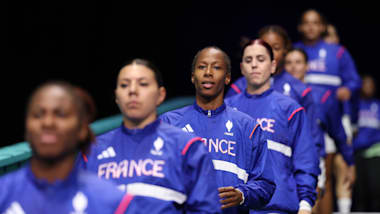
[(284, 103), (233, 99), (12, 179), (298, 83), (104, 140), (108, 135), (179, 139), (237, 115), (174, 134), (176, 115), (332, 47), (241, 82)]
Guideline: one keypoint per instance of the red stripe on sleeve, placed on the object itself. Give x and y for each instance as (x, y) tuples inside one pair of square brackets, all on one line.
[(236, 89), (189, 144), (84, 157), (295, 111), (325, 96), (253, 131), (124, 204), (340, 52), (306, 91)]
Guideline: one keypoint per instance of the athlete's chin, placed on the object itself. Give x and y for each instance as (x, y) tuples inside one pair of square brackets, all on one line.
[(209, 94), (255, 81)]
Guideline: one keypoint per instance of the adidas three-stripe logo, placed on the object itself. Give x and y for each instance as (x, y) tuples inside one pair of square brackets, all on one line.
[(108, 153), (187, 128)]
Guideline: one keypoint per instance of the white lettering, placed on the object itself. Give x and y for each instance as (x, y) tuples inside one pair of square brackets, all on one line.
[(145, 171), (133, 166), (147, 167), (111, 169), (157, 168), (220, 146), (216, 146), (230, 148), (123, 168), (101, 169), (266, 124)]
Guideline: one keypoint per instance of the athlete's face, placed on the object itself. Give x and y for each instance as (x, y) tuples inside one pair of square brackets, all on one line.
[(210, 73), (137, 93), (257, 66), (278, 45), (296, 65), (332, 36), (311, 26), (53, 127), (368, 88)]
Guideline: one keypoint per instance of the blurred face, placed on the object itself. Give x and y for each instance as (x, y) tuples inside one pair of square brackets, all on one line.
[(257, 66), (311, 26), (210, 74), (368, 88), (277, 44), (53, 127), (332, 36), (296, 65), (137, 93)]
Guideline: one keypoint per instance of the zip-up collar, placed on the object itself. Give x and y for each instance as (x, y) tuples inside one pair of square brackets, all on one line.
[(264, 94), (210, 113), (144, 131), (70, 180), (315, 45)]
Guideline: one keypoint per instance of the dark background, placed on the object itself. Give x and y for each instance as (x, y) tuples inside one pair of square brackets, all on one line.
[(86, 42)]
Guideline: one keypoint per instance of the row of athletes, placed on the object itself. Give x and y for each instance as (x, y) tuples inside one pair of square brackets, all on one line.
[(163, 169)]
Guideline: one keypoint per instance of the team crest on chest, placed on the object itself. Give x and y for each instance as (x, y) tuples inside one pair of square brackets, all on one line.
[(80, 203), (157, 146), (287, 89), (229, 126), (322, 53)]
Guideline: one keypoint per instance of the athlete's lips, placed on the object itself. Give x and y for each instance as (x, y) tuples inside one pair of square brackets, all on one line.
[(48, 138), (133, 104), (255, 74), (207, 84)]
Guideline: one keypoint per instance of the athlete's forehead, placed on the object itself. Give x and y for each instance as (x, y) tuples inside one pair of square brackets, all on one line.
[(255, 50), (210, 55), (135, 71)]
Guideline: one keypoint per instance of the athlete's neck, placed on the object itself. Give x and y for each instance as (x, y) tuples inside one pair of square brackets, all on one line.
[(53, 171), (209, 103), (254, 89), (131, 123), (311, 42)]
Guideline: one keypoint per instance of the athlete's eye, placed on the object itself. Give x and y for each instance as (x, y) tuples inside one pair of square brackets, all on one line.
[(144, 83), (261, 58), (201, 67)]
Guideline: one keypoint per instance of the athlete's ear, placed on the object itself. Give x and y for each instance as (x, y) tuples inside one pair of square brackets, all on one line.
[(116, 100), (273, 66), (161, 95), (192, 77), (227, 80), (84, 131)]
